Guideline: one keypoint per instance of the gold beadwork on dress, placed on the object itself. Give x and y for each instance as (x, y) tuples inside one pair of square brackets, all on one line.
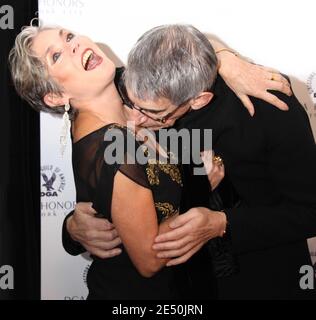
[(166, 209), (153, 174), (154, 166), (171, 170)]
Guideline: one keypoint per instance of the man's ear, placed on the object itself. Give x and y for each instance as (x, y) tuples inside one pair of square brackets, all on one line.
[(53, 100), (201, 100)]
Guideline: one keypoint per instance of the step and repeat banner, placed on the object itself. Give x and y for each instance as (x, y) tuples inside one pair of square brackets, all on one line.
[(274, 33)]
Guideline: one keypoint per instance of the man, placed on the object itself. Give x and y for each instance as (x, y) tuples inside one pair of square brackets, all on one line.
[(263, 159)]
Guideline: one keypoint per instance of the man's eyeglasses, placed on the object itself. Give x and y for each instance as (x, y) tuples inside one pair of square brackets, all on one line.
[(130, 104)]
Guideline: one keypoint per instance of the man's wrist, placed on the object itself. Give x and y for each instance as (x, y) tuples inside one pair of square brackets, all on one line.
[(69, 223), (217, 224), (224, 223)]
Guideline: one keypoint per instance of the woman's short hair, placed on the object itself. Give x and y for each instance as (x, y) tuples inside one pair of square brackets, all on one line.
[(29, 73)]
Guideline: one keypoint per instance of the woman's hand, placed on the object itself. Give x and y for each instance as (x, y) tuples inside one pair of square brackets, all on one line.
[(189, 232), (247, 79), (214, 168)]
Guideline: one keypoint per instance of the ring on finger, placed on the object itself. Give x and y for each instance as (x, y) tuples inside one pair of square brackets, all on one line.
[(218, 160)]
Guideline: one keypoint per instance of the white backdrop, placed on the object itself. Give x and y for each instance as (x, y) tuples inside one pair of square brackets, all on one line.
[(279, 34)]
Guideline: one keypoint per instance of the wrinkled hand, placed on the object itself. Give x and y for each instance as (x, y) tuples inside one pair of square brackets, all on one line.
[(98, 236), (247, 79), (215, 171), (191, 231)]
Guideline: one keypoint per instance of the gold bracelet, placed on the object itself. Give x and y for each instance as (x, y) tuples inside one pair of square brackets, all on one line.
[(228, 50)]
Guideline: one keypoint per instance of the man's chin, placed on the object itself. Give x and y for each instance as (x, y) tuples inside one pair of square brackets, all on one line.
[(165, 126), (154, 127), (169, 124)]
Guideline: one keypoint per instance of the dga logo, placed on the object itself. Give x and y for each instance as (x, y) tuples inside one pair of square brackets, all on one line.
[(53, 184), (6, 17), (6, 278), (53, 181)]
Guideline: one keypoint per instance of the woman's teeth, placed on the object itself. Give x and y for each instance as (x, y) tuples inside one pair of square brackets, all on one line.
[(85, 58)]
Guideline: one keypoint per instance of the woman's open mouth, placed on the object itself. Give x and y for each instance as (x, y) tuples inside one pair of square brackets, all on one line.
[(90, 60)]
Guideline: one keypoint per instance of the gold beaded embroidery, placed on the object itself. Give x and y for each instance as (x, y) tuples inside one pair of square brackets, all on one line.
[(171, 170), (166, 209)]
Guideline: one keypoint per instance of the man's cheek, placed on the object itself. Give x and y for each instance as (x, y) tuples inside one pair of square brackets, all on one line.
[(136, 116), (140, 121)]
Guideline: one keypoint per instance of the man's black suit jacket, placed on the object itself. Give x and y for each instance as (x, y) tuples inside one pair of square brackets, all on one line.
[(271, 161)]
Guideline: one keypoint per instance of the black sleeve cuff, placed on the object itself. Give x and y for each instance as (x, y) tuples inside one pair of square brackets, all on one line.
[(71, 246)]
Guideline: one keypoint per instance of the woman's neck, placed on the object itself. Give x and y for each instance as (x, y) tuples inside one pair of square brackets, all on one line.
[(95, 113)]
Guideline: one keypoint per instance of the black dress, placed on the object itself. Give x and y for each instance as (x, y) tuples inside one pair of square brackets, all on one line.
[(117, 278)]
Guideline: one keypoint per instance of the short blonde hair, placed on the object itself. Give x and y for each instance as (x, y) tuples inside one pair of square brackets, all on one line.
[(29, 74)]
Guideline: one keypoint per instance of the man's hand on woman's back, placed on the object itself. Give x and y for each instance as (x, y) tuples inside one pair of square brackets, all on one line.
[(97, 235)]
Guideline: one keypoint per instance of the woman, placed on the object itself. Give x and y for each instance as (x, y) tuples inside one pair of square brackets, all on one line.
[(53, 68)]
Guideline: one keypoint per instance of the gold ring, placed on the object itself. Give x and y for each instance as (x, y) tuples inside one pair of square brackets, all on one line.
[(218, 160), (272, 77)]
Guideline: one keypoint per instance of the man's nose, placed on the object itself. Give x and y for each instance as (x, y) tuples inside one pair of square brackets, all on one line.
[(138, 117)]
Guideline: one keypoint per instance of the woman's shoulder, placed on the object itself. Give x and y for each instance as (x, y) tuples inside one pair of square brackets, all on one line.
[(108, 142)]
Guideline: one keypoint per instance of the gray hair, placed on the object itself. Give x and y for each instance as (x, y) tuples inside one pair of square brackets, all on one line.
[(29, 74), (176, 62)]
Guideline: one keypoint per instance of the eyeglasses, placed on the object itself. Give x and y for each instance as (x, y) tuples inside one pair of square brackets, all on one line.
[(130, 104)]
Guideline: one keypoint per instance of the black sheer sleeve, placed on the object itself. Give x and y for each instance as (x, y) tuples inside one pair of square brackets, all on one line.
[(71, 246), (119, 144)]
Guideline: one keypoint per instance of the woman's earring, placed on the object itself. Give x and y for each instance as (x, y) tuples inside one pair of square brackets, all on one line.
[(65, 129)]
